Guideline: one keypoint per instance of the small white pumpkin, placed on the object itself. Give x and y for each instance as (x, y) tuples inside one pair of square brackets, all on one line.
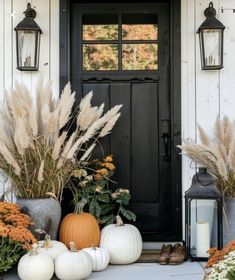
[(123, 242), (35, 265), (73, 264), (52, 248), (100, 257)]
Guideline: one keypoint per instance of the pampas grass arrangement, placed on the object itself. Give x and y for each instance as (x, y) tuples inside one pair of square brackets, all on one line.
[(36, 150), (217, 154)]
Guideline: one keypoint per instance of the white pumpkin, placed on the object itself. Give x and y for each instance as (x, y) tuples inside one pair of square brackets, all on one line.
[(100, 257), (73, 264), (52, 248), (123, 242), (35, 265)]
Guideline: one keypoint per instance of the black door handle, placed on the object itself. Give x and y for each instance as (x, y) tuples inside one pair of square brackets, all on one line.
[(166, 140), (166, 155)]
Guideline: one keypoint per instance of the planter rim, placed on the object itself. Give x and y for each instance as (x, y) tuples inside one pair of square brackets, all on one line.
[(32, 199)]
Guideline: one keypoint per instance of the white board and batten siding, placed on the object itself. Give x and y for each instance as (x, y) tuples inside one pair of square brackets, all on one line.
[(205, 94), (11, 12)]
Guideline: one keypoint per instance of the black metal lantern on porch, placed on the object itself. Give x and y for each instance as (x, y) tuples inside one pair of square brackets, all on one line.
[(28, 41), (203, 216), (211, 40)]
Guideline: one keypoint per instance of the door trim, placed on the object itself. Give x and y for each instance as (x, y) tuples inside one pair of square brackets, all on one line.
[(175, 93)]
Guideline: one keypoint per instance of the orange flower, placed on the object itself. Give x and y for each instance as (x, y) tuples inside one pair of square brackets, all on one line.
[(108, 165), (109, 158), (98, 177), (14, 225), (102, 171), (218, 255)]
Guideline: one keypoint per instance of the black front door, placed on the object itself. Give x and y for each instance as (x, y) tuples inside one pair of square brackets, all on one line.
[(121, 52)]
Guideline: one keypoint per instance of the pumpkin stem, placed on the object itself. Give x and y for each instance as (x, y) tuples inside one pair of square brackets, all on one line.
[(119, 221), (72, 246), (47, 239), (79, 206), (47, 242), (34, 250)]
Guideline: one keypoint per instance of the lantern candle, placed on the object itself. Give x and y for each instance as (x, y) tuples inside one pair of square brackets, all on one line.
[(202, 239)]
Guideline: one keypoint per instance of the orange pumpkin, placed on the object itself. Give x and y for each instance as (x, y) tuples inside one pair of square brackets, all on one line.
[(80, 227)]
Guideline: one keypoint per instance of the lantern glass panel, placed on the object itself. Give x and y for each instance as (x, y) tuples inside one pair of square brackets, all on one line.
[(203, 228), (212, 42), (28, 41)]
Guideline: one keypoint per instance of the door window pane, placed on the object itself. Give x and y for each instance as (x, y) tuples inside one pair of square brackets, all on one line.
[(139, 57), (100, 57), (139, 32), (100, 32)]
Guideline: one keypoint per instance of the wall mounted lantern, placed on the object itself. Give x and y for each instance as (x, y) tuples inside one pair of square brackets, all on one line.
[(211, 40), (28, 41), (203, 216)]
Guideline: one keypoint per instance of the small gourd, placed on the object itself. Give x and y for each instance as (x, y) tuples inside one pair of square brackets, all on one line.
[(80, 227), (100, 257), (123, 242), (73, 264), (35, 265), (52, 248)]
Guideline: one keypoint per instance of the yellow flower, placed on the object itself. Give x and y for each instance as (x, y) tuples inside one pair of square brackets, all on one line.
[(108, 165), (98, 177), (102, 171), (109, 158)]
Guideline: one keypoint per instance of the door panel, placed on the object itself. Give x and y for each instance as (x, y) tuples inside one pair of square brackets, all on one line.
[(134, 143), (144, 146)]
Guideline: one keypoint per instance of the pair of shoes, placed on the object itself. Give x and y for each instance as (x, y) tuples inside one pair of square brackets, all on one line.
[(172, 255)]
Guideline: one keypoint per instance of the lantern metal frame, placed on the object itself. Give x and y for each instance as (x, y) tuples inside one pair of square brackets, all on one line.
[(204, 189), (29, 24), (211, 23)]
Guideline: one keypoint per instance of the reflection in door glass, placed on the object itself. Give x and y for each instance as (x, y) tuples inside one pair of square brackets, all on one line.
[(139, 32), (100, 32), (139, 57), (100, 57)]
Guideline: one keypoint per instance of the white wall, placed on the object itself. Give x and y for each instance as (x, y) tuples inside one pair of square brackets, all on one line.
[(11, 12), (205, 94)]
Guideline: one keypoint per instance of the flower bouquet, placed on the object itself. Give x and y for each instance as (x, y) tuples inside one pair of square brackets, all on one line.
[(221, 263), (15, 238), (92, 183)]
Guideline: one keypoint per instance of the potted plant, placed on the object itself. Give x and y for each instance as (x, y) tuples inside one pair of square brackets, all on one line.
[(39, 149), (15, 238), (217, 154), (92, 183)]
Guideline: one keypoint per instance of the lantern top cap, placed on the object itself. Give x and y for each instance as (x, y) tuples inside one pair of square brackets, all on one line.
[(210, 11), (30, 12), (203, 186), (28, 23), (211, 22)]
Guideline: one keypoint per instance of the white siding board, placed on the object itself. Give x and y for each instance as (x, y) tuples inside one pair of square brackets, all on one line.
[(8, 25), (188, 91), (54, 45), (207, 82), (227, 74), (2, 31)]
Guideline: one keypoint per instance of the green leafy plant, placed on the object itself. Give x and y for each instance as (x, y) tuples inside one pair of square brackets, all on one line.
[(38, 147), (92, 184)]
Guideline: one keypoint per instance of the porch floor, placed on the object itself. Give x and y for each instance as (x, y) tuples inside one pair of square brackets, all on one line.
[(148, 271)]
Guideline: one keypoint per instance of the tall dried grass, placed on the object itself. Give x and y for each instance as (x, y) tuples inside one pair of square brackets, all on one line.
[(36, 150), (217, 154)]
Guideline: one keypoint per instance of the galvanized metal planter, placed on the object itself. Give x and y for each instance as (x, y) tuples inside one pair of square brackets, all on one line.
[(44, 212)]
